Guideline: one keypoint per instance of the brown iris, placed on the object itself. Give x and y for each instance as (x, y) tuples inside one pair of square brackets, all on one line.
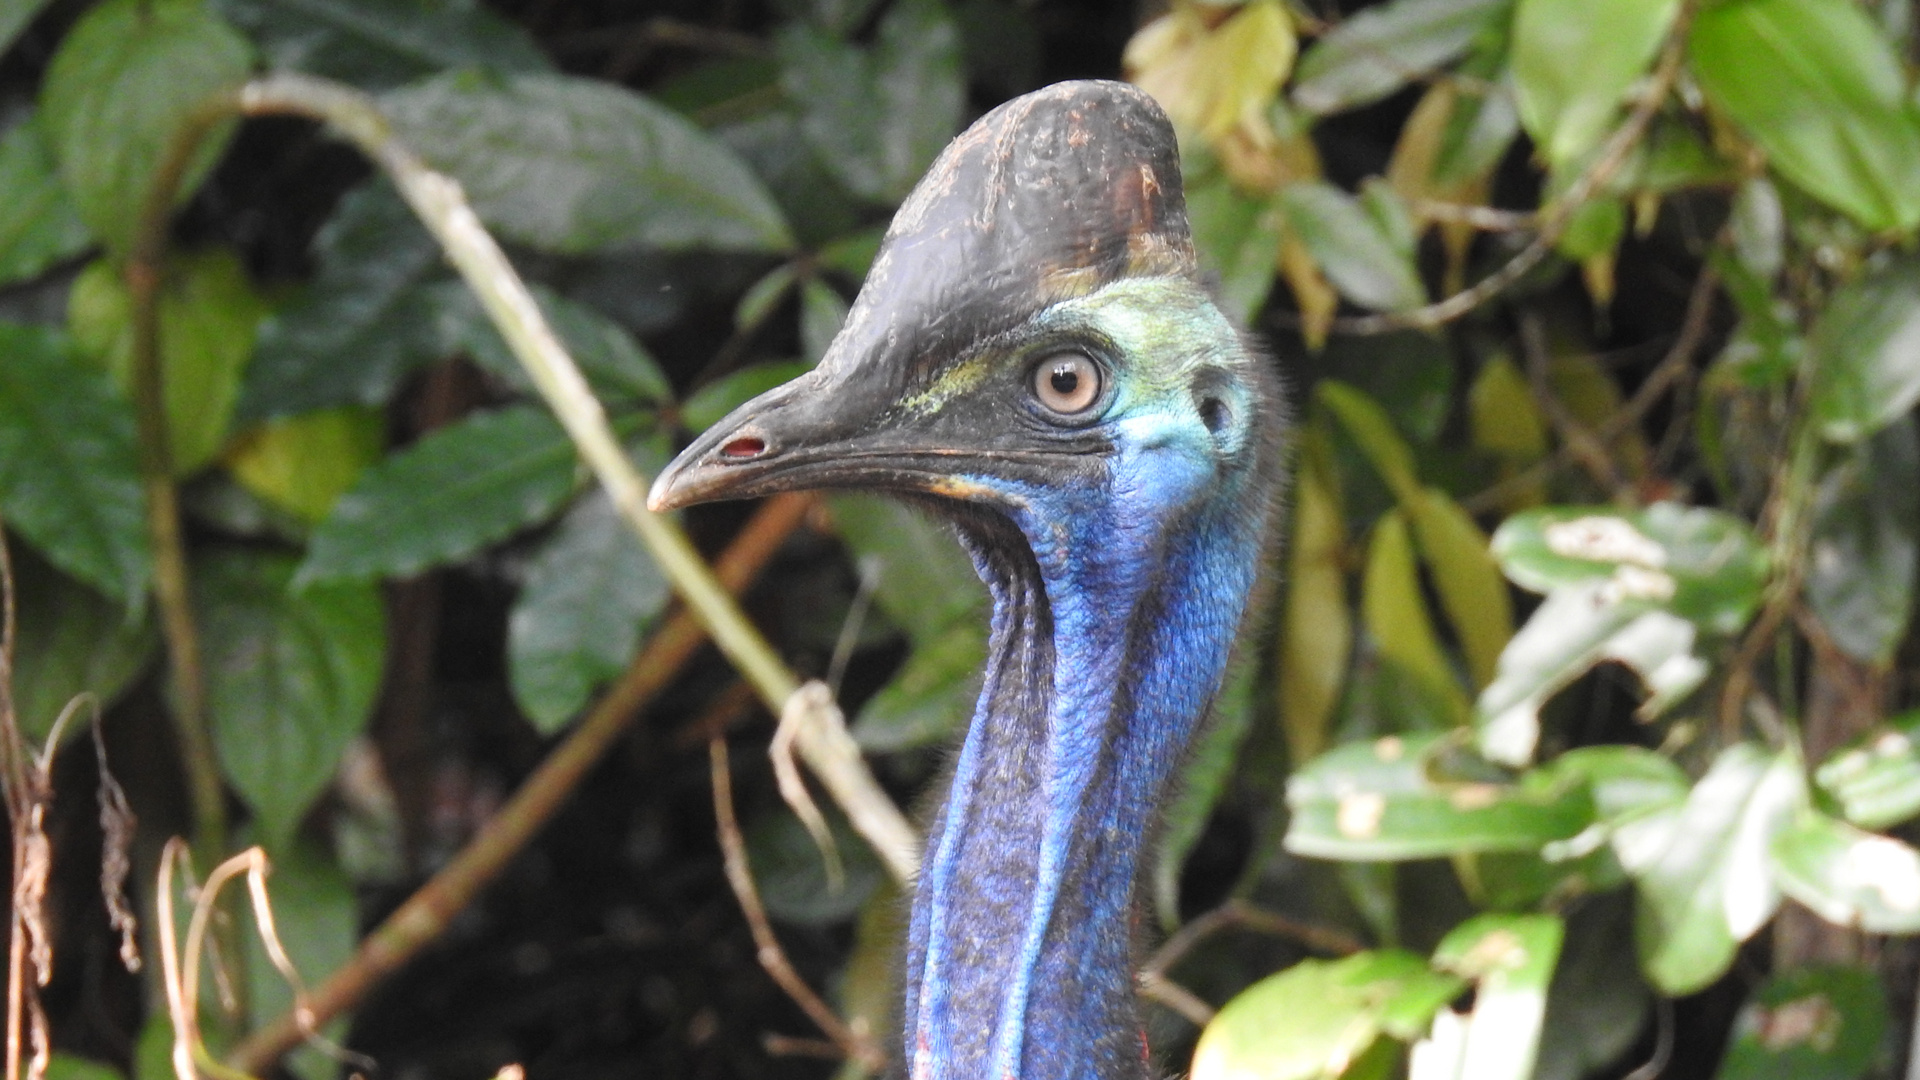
[(1067, 383)]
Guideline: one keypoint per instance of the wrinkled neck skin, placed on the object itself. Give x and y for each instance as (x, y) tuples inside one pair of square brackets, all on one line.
[(1115, 611)]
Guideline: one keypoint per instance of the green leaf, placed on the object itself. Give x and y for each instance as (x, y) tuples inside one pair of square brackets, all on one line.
[(1471, 589), (1704, 877), (931, 696), (376, 44), (1203, 781), (821, 313), (1238, 238), (1860, 577), (317, 919), (878, 116), (1396, 614), (1573, 62), (1759, 227), (1372, 428), (303, 464), (123, 83), (15, 15), (291, 678), (1382, 801), (1848, 876), (1312, 1019), (1817, 85), (617, 367), (38, 226), (70, 1066), (208, 315), (69, 640), (1504, 418), (1626, 781), (1360, 259), (1705, 565), (1875, 779), (793, 879), (1809, 1024), (707, 405), (1865, 352), (1511, 960), (757, 304), (69, 472), (1377, 51), (589, 593), (922, 580), (381, 304), (578, 165), (446, 496)]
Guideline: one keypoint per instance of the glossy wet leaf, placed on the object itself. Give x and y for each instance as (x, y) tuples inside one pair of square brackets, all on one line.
[(1359, 257), (1380, 801), (1875, 779), (1317, 636), (1705, 565), (877, 115), (375, 44), (1823, 1023), (1865, 352), (1576, 628), (1848, 876), (1860, 574), (1706, 882), (447, 495), (1818, 86), (209, 312), (69, 464), (1511, 959), (381, 303), (1395, 611), (124, 81), (589, 592), (70, 640), (576, 165), (38, 226), (291, 676), (1312, 1019), (1376, 51), (1573, 63), (304, 463)]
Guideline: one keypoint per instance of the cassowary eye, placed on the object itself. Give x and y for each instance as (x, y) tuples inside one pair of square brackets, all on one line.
[(1067, 383)]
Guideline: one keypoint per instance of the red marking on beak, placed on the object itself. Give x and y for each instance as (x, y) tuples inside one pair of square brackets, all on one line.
[(744, 447)]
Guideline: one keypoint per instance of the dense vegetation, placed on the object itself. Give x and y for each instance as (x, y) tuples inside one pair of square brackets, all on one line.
[(1576, 741)]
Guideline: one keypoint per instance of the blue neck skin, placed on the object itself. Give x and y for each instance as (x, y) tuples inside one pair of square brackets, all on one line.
[(1112, 627)]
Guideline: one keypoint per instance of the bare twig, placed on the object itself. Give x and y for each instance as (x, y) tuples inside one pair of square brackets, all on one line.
[(28, 791), (1237, 914), (1554, 219), (1484, 218), (813, 724), (1164, 991), (425, 915), (772, 957), (1574, 435)]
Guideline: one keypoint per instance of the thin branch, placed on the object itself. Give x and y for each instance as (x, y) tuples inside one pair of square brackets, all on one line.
[(1237, 914), (1164, 991), (1670, 372), (426, 914), (1574, 435), (144, 272), (1555, 218), (772, 957), (1484, 218)]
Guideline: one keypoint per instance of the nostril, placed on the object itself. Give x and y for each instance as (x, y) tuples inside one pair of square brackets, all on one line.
[(743, 448), (1214, 414)]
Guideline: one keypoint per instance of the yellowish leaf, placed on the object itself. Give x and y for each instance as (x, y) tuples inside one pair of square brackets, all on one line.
[(1592, 397), (304, 463), (1396, 614), (1471, 588), (1318, 624), (1311, 294)]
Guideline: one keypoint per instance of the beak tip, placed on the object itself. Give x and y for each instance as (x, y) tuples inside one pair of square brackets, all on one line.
[(660, 497)]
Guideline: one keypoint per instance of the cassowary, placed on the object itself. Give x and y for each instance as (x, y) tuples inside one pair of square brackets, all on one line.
[(1036, 358)]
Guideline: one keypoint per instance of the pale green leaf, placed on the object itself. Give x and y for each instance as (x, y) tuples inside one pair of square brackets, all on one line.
[(1865, 352), (1378, 50), (1511, 960), (1359, 257), (1573, 62), (1875, 779), (1848, 876)]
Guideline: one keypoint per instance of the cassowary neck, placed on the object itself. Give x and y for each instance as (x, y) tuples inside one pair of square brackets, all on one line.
[(1109, 641)]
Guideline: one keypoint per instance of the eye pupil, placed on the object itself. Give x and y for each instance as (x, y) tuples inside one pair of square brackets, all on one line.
[(1067, 383)]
